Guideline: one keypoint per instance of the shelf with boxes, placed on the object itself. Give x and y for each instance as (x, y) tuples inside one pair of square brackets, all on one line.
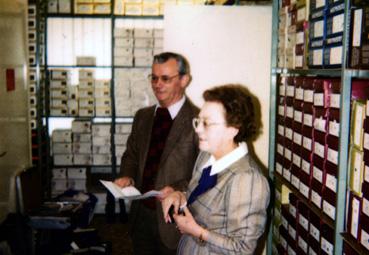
[(297, 226), (140, 8), (97, 69), (357, 228), (313, 87), (87, 145), (307, 138)]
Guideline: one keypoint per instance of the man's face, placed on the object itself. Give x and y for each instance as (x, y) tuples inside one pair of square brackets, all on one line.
[(167, 85)]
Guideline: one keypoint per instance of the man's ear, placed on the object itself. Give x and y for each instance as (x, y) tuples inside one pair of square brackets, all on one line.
[(185, 80)]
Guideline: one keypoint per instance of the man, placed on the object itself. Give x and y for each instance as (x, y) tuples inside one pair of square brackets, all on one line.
[(160, 154)]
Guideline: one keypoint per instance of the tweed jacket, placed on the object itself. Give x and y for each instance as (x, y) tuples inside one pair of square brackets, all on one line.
[(176, 163), (234, 211)]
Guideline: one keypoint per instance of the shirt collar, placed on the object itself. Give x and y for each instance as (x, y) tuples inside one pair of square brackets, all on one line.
[(219, 165), (174, 108)]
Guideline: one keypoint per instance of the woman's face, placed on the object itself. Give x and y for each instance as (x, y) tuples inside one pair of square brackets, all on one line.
[(215, 136)]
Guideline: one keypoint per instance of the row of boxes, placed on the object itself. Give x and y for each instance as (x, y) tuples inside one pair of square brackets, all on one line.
[(136, 47), (359, 43), (308, 136), (149, 7), (358, 195), (132, 90), (88, 143), (89, 98), (358, 217), (121, 7), (136, 33), (68, 178), (311, 37), (301, 231), (292, 36)]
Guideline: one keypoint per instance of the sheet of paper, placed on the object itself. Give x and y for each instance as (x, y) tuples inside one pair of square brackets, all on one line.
[(130, 192)]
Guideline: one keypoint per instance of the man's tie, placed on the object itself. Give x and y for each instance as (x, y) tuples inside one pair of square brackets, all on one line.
[(159, 133), (206, 182)]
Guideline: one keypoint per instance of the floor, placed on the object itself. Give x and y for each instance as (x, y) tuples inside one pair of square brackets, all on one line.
[(116, 233)]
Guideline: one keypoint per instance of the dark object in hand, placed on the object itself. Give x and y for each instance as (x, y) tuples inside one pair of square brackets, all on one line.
[(171, 212)]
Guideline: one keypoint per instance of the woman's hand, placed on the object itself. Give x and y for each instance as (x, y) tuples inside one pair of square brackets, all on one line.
[(176, 199), (187, 224)]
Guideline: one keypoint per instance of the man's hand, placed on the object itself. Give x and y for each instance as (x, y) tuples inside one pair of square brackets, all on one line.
[(167, 190), (124, 182)]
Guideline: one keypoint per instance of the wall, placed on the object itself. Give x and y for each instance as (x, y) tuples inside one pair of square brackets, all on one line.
[(14, 126), (225, 44)]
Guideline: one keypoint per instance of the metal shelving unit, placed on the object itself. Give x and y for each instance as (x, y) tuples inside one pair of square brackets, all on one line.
[(346, 75), (45, 116)]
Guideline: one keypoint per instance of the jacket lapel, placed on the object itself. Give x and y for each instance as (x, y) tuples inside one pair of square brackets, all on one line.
[(146, 136), (176, 130)]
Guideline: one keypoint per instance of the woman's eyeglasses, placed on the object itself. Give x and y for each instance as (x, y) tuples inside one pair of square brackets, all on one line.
[(196, 122), (164, 78)]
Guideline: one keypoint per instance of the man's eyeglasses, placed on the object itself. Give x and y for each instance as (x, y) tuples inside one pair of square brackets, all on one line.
[(164, 78), (196, 122)]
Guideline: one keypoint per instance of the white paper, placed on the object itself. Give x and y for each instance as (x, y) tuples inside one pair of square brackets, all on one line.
[(130, 192)]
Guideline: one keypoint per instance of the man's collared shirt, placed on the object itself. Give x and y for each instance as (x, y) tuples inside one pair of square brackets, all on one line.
[(174, 108)]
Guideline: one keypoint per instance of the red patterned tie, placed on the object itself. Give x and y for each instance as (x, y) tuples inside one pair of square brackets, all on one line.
[(159, 133)]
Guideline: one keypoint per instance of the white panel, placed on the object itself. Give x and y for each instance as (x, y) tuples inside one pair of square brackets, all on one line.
[(225, 45), (69, 38)]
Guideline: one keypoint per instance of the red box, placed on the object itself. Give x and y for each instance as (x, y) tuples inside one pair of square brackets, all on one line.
[(327, 239), (297, 133), (316, 193), (329, 203), (305, 181), (306, 161), (364, 233), (283, 237), (359, 89), (353, 217), (334, 122), (332, 149), (279, 162), (299, 90), (321, 94), (334, 86), (314, 232), (348, 250), (298, 109), (331, 172), (320, 144), (280, 125), (365, 198), (318, 169), (308, 114), (303, 219), (321, 119), (290, 88), (308, 86), (307, 138)]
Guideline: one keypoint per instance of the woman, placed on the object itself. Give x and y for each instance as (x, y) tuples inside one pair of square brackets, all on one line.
[(227, 196)]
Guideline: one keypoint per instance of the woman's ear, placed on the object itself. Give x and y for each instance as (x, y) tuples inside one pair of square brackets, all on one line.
[(233, 131)]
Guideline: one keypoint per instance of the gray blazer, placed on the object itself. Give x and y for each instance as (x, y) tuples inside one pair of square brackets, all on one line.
[(176, 164), (234, 210)]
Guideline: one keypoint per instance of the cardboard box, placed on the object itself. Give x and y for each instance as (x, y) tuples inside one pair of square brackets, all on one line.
[(79, 126), (61, 135)]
